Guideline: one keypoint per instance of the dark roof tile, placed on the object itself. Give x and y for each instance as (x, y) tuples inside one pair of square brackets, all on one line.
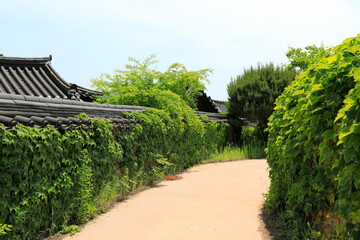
[(42, 122), (34, 94), (60, 113), (32, 98), (24, 120), (6, 102), (36, 77), (7, 121), (17, 97)]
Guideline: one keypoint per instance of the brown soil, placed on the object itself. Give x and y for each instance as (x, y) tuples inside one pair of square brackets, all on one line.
[(173, 177)]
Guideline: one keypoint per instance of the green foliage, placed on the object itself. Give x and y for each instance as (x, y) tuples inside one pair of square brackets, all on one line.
[(71, 229), (171, 137), (252, 94), (169, 141), (313, 148), (139, 78), (250, 147), (301, 59), (250, 150), (4, 228), (50, 181)]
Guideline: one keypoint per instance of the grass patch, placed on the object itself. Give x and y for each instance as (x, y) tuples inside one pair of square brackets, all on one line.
[(251, 150)]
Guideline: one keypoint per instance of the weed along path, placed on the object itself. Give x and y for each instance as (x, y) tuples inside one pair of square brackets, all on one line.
[(211, 201)]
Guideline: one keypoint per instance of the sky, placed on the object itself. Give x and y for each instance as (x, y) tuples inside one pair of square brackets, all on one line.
[(90, 37)]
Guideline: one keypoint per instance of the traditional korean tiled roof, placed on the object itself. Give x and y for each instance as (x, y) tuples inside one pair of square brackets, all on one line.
[(36, 77), (216, 117), (40, 112), (206, 104), (211, 108), (221, 105), (33, 93)]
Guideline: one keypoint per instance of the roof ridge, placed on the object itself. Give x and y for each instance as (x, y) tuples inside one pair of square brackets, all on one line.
[(40, 60)]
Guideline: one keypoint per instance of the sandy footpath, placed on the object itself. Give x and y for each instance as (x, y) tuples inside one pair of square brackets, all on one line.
[(211, 201)]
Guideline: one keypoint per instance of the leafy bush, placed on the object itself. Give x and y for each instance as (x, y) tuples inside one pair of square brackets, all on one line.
[(252, 95), (184, 137), (51, 180), (250, 147), (138, 78), (48, 178), (171, 132), (301, 59), (4, 228), (250, 150), (313, 148)]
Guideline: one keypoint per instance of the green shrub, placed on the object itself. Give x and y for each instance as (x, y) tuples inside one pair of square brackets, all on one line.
[(4, 228), (252, 95), (48, 178), (138, 78), (251, 150), (250, 147), (313, 148), (51, 180), (179, 137), (301, 59), (172, 132)]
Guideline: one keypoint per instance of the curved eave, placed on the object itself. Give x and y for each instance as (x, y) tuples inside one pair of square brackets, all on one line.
[(67, 85)]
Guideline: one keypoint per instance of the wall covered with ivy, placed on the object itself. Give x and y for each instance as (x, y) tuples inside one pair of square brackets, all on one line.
[(50, 180)]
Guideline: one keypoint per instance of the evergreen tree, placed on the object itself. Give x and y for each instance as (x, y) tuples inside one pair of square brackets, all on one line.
[(252, 94)]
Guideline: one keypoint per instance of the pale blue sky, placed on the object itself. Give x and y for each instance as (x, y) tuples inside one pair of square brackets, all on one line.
[(89, 37)]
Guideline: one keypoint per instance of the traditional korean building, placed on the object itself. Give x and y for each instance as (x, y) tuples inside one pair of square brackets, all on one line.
[(211, 108), (33, 93), (36, 77)]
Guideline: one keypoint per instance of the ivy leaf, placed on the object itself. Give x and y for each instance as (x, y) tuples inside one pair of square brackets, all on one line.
[(329, 134), (316, 87), (353, 49)]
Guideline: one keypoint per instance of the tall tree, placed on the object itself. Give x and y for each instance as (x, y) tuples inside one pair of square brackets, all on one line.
[(252, 95)]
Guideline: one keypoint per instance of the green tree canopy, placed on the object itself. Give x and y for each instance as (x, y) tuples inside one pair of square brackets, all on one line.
[(252, 94), (140, 78), (300, 59)]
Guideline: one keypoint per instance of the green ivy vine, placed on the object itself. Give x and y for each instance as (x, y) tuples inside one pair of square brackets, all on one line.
[(313, 148), (51, 180)]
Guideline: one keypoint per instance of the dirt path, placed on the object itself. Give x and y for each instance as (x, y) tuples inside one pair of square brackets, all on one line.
[(212, 201)]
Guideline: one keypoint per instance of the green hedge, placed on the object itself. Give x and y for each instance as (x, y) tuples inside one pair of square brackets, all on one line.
[(50, 180), (313, 149)]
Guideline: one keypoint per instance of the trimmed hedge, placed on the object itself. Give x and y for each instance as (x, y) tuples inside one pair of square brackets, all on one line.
[(313, 149), (50, 180)]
